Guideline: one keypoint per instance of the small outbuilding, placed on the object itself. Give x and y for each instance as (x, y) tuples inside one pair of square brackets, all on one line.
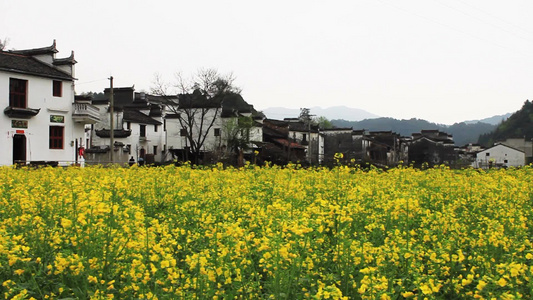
[(499, 156)]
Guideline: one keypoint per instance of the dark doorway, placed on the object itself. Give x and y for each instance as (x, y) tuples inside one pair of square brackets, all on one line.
[(142, 157), (19, 149)]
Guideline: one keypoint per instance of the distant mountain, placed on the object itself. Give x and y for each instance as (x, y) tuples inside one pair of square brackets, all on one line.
[(335, 112), (463, 133), (518, 125), (495, 120)]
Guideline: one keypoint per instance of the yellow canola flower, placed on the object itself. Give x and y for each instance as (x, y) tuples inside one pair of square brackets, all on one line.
[(502, 282), (481, 285), (426, 289), (19, 272), (186, 232)]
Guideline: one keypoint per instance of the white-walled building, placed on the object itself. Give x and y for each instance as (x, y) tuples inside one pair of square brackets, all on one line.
[(499, 156), (41, 121), (210, 125), (138, 127), (306, 135)]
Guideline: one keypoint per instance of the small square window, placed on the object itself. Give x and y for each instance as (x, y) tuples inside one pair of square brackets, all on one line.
[(57, 88), (487, 154), (183, 132), (217, 131)]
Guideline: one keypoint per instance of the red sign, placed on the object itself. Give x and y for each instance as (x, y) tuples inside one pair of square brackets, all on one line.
[(20, 131)]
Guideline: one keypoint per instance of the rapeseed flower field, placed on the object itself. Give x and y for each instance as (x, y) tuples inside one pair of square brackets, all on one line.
[(265, 233)]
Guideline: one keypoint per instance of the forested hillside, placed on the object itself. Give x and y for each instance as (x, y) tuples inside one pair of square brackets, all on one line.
[(518, 125)]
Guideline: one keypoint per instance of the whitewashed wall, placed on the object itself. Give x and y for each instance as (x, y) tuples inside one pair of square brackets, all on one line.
[(500, 155), (180, 142), (39, 95), (152, 138)]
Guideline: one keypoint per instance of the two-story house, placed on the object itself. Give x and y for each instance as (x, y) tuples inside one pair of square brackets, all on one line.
[(41, 120), (138, 128), (208, 130)]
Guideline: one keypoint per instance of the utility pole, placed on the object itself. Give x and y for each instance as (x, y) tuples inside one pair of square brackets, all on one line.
[(111, 121)]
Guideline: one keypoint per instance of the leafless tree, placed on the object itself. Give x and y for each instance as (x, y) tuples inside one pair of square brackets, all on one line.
[(196, 103), (3, 44)]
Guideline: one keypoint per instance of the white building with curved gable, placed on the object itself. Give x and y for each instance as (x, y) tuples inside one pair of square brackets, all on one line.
[(41, 123)]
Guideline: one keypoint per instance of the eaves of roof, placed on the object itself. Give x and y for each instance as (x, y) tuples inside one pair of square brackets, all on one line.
[(136, 116), (289, 144), (500, 144), (18, 63)]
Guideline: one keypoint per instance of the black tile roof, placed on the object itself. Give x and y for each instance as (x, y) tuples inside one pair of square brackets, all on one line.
[(197, 100), (136, 116), (117, 133), (65, 61), (37, 51), (20, 63)]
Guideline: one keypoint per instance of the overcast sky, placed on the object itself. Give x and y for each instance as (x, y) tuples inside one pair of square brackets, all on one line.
[(441, 60)]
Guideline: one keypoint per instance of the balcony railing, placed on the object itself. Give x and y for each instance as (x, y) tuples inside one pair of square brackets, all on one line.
[(85, 113)]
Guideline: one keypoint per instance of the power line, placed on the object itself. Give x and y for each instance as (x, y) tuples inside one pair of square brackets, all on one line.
[(485, 22), (453, 28), (496, 17), (96, 80)]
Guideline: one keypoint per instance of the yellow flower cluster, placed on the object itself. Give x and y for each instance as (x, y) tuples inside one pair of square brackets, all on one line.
[(258, 233)]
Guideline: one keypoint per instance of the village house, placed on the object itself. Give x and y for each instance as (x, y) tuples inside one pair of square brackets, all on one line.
[(278, 148), (499, 156), (384, 148), (466, 155), (42, 121), (223, 128), (381, 148), (431, 147), (242, 130), (138, 128), (158, 129), (306, 135), (338, 140)]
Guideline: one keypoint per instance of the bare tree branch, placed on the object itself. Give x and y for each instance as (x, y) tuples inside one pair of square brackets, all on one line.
[(197, 103), (3, 43)]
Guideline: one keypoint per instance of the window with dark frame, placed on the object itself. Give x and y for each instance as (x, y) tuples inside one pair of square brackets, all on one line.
[(217, 131), (128, 125), (155, 150), (57, 88), (155, 128), (143, 130), (183, 132), (18, 92), (56, 137)]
